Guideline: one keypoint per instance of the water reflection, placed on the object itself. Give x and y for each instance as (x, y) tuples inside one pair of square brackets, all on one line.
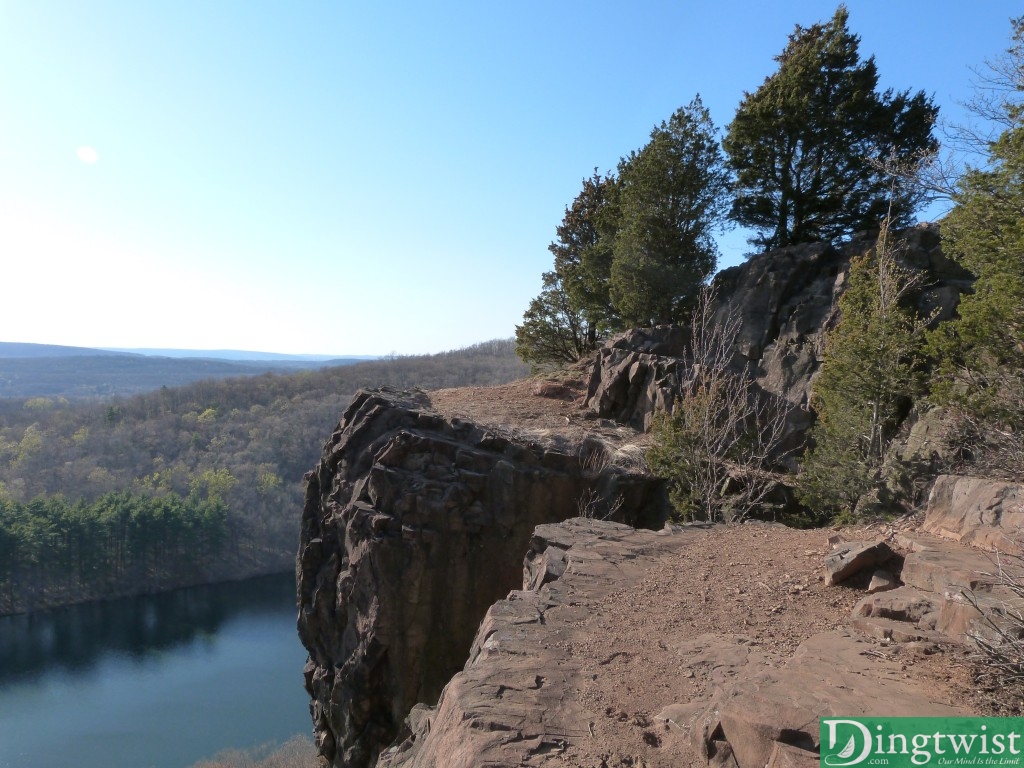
[(152, 682), (77, 637)]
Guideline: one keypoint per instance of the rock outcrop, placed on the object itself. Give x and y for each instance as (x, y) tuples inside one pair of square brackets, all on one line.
[(413, 526), (950, 572), (786, 301), (518, 699), (513, 702)]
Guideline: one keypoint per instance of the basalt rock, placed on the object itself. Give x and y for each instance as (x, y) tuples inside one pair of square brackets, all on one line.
[(413, 526), (513, 703), (950, 573), (786, 300)]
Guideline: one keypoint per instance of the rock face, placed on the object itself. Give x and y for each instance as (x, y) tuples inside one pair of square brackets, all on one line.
[(517, 700), (765, 711), (413, 526), (983, 513), (513, 702), (786, 301)]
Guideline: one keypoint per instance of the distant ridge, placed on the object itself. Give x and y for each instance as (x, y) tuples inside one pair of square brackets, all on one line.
[(238, 354), (53, 370), (17, 349)]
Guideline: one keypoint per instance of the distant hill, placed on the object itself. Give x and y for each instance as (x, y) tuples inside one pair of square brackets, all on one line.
[(244, 440), (50, 370), (244, 355), (15, 349)]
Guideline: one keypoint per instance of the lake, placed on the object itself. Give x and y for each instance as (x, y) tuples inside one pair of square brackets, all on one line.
[(152, 682)]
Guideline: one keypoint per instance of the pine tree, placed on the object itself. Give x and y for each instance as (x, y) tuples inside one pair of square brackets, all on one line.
[(554, 331), (583, 253), (672, 197), (981, 353), (805, 146)]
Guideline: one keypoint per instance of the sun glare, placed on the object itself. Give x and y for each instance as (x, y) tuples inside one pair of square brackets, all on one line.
[(88, 155)]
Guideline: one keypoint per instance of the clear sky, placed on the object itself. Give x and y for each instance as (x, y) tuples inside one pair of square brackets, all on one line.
[(360, 178)]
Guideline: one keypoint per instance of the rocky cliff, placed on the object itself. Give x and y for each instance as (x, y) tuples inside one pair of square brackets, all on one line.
[(575, 669), (413, 526), (416, 523)]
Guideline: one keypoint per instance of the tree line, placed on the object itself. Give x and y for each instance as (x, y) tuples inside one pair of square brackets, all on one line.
[(802, 161), (54, 551)]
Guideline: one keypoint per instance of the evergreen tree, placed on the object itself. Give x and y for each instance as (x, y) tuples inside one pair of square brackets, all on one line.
[(672, 196), (981, 353), (583, 253), (554, 330), (806, 146), (573, 312), (870, 373)]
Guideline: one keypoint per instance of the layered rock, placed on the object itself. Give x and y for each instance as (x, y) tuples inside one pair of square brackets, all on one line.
[(413, 526), (513, 703), (518, 699), (769, 716), (949, 572), (980, 512)]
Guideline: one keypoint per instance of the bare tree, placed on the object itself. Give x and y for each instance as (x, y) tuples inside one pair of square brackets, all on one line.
[(999, 632), (722, 444)]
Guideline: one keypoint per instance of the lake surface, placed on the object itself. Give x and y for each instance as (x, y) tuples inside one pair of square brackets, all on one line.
[(152, 682)]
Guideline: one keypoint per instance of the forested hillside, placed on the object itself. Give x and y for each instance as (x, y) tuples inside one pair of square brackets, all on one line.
[(224, 459), (34, 370)]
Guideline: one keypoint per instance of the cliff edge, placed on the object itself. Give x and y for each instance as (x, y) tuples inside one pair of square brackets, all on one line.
[(414, 524)]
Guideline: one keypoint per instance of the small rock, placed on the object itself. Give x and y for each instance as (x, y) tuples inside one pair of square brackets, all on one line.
[(852, 558), (882, 581)]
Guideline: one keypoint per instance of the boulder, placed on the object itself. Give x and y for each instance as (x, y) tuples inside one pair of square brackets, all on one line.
[(771, 715), (786, 300), (952, 584), (630, 386), (852, 557)]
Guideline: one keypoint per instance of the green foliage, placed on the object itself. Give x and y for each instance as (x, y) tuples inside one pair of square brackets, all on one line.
[(583, 253), (681, 453), (573, 311), (673, 195), (53, 551), (871, 371), (805, 146), (632, 250), (554, 329), (981, 353), (213, 484)]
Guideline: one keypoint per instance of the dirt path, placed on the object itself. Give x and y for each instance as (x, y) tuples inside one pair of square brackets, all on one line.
[(760, 581)]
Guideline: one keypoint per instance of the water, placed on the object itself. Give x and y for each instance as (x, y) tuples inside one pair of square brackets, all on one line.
[(152, 682)]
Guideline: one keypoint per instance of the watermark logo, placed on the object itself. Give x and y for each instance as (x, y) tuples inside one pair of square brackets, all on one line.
[(914, 742)]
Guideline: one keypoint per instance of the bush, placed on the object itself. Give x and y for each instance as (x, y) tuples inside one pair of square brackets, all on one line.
[(724, 437)]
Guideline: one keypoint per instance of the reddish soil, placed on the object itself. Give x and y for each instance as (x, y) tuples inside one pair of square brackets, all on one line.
[(762, 581)]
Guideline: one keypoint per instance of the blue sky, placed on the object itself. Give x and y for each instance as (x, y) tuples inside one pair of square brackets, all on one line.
[(343, 178)]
